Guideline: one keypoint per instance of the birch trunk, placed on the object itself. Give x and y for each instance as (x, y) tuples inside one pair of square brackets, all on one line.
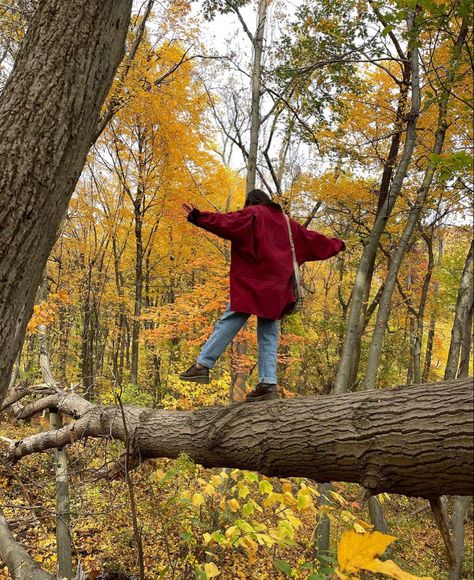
[(49, 112), (63, 510)]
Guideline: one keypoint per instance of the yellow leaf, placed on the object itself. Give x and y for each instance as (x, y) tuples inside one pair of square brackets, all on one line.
[(216, 480), (338, 497), (243, 490), (305, 501), (355, 550), (198, 499), (286, 486), (209, 489), (294, 521), (289, 499), (207, 537), (232, 531), (233, 504), (249, 545), (358, 552), (389, 568), (271, 499), (211, 570)]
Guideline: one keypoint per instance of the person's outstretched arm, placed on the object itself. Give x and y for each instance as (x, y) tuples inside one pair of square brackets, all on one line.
[(233, 225), (310, 245)]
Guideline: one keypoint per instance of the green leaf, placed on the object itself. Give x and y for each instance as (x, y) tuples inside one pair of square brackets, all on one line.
[(283, 566), (248, 509), (250, 476), (265, 486)]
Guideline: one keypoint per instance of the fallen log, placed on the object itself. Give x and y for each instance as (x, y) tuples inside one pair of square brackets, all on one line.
[(415, 440)]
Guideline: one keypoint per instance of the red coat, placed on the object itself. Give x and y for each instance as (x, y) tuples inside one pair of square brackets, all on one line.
[(261, 264)]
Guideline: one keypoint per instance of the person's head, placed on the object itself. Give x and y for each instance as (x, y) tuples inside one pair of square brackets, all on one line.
[(257, 196)]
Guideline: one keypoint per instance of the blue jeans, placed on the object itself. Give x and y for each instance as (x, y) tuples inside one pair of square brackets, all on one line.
[(224, 331)]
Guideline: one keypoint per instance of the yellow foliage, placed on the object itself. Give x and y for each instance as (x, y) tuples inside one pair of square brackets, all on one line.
[(233, 505), (357, 552), (198, 499), (211, 570)]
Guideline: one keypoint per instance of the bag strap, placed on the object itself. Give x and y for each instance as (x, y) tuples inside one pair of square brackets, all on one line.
[(293, 253)]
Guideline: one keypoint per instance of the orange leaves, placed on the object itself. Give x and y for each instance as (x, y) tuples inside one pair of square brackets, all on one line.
[(46, 313)]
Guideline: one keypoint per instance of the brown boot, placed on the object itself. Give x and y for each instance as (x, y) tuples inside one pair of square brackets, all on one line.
[(263, 392), (196, 374)]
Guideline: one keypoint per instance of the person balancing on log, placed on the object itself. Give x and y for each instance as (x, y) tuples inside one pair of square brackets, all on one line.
[(264, 243)]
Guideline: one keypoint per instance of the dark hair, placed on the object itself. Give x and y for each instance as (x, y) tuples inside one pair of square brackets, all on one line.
[(257, 196)]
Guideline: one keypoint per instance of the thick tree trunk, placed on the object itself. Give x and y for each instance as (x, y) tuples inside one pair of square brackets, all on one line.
[(415, 440), (49, 112)]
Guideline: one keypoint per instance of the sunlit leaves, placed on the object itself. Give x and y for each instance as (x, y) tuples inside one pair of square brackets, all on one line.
[(358, 552)]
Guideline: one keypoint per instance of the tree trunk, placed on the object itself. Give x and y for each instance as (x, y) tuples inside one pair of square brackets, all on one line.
[(344, 371), (63, 511), (420, 322), (256, 88), (415, 440), (432, 327), (383, 193), (17, 559), (460, 341), (137, 307), (322, 540), (375, 349), (461, 315), (49, 112)]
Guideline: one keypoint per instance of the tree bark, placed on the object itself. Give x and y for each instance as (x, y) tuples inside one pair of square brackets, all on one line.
[(49, 111), (19, 562), (63, 510), (344, 371), (256, 87), (420, 322), (432, 326), (461, 315), (415, 440), (376, 344)]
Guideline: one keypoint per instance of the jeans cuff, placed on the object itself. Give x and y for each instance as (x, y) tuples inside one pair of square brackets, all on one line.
[(205, 363), (268, 380)]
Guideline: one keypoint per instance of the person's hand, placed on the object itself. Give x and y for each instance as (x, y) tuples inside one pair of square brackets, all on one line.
[(188, 207)]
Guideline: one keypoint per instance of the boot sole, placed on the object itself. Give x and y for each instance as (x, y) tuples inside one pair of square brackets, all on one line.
[(201, 380)]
